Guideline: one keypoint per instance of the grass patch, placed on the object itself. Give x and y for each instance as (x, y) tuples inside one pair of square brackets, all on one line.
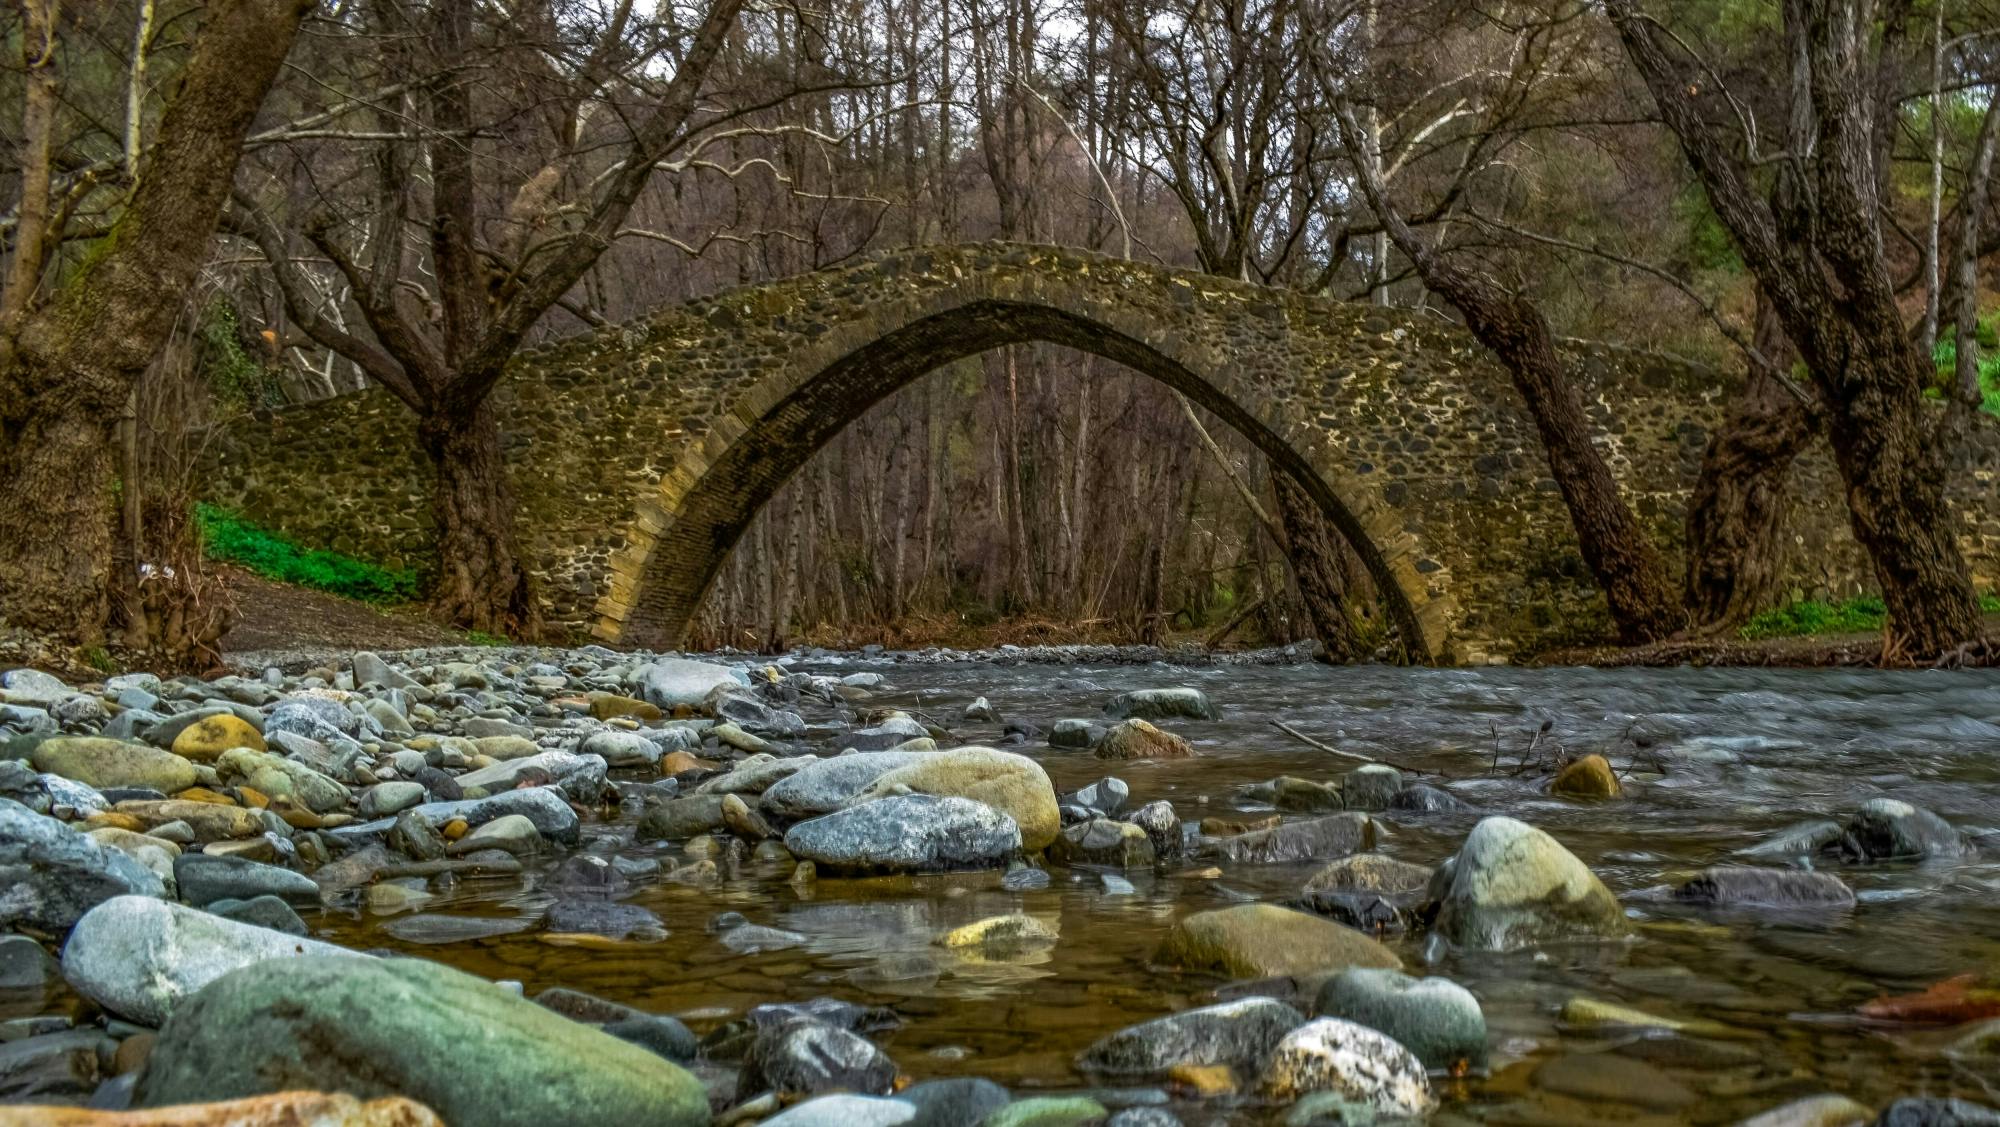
[(1860, 615), (231, 538)]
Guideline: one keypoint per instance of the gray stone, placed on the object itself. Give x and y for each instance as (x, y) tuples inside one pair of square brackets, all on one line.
[(261, 911), (808, 1056), (821, 786), (1071, 732), (622, 749), (510, 833), (679, 819), (1802, 839), (1725, 886), (846, 1111), (436, 928), (908, 833), (370, 669), (954, 1101), (472, 1052), (106, 763), (755, 775), (677, 683), (544, 806), (612, 921), (53, 1068), (50, 874), (139, 957), (204, 879), (1314, 839), (1371, 787), (1930, 1112), (1435, 1018), (1157, 704), (1106, 796), (1240, 1034), (1885, 829), (385, 800), (579, 776), (1102, 841), (33, 687), (1162, 826)]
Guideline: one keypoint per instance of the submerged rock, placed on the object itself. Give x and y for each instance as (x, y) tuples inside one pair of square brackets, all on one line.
[(1314, 839), (375, 1027), (1101, 841), (1239, 1034), (1589, 777), (1742, 886), (908, 833), (806, 1057), (1511, 885), (1267, 941), (1369, 872), (1886, 829)]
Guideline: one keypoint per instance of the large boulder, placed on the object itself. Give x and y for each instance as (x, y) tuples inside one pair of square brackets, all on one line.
[(104, 763), (1511, 885), (1353, 1061), (139, 957), (1239, 1034), (378, 1027), (50, 874), (1314, 839), (675, 683), (1267, 941), (1156, 704), (1012, 784), (1102, 841), (822, 786), (908, 833)]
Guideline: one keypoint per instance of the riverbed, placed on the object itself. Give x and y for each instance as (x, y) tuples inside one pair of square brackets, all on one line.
[(1712, 761)]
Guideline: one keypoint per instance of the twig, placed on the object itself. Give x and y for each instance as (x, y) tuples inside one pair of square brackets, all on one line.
[(1331, 750)]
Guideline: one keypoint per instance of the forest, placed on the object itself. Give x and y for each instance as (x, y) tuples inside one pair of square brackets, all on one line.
[(219, 208)]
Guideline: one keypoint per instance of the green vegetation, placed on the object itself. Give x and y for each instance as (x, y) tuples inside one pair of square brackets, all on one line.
[(1946, 356), (482, 638), (1859, 615), (233, 539)]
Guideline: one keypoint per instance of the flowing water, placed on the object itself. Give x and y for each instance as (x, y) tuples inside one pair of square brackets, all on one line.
[(1717, 759)]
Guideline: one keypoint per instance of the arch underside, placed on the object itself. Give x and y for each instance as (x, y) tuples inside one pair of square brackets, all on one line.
[(722, 492)]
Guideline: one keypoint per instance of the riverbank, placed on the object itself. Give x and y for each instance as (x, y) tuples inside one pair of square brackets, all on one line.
[(1027, 894)]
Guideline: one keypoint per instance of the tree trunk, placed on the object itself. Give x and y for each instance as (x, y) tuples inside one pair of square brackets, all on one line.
[(1314, 550), (1734, 542), (56, 517), (480, 584)]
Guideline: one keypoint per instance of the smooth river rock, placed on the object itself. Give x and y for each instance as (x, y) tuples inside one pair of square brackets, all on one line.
[(139, 957), (1156, 704), (1012, 784), (1435, 1018), (51, 875), (1266, 941), (1314, 839), (475, 1053), (104, 763), (1353, 1061), (908, 833), (825, 785), (1511, 885), (1239, 1033)]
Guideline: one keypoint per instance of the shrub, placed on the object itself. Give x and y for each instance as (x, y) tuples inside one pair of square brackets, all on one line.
[(234, 539), (1859, 615)]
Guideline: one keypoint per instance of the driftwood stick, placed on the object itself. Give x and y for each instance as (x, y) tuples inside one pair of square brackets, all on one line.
[(1332, 750)]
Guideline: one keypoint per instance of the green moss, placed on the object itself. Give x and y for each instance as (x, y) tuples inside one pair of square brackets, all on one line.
[(1860, 615), (482, 638), (234, 539)]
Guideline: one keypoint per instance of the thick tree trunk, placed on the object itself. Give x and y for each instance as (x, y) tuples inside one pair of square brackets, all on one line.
[(480, 583), (1894, 465), (1314, 550), (56, 518), (68, 365), (1734, 518)]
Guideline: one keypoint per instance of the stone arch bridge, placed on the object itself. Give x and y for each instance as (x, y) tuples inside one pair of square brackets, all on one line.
[(641, 451)]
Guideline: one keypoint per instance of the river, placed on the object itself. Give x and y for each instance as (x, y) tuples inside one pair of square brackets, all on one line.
[(1715, 760)]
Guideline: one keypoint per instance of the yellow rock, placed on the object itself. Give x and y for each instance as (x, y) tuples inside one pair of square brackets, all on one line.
[(455, 829), (607, 706), (203, 794), (285, 1109), (1589, 777), (251, 796), (1011, 932), (1206, 1080), (204, 742), (113, 820), (211, 821), (674, 762)]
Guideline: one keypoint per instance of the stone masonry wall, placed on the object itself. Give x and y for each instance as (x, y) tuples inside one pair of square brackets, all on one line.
[(640, 451)]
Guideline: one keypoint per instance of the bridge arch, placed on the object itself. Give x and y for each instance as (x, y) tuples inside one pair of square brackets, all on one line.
[(684, 527)]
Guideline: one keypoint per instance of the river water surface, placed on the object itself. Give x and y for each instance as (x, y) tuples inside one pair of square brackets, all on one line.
[(1717, 760)]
